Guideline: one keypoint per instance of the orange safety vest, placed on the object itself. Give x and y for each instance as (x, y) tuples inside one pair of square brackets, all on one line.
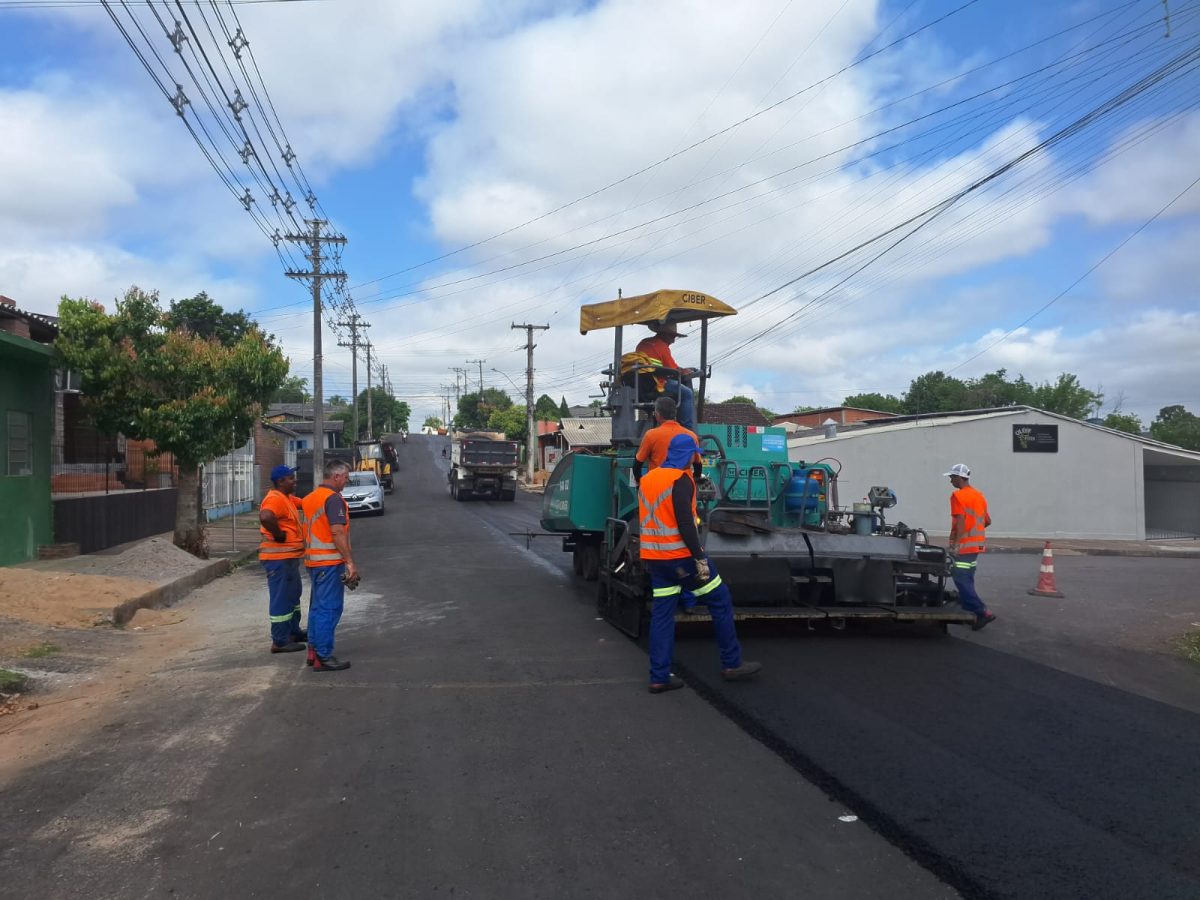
[(269, 549), (320, 550), (660, 537), (972, 506)]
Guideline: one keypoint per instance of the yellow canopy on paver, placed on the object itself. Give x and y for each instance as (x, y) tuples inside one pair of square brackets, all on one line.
[(661, 307)]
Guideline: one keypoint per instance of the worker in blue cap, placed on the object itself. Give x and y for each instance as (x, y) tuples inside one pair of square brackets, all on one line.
[(280, 552), (671, 552)]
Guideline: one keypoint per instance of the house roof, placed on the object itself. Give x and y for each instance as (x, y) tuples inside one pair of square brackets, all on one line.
[(306, 427), (587, 412), (282, 428), (828, 410), (942, 419), (42, 329), (300, 410), (590, 432), (734, 414)]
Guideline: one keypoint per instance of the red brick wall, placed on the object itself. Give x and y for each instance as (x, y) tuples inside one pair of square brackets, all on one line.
[(842, 415)]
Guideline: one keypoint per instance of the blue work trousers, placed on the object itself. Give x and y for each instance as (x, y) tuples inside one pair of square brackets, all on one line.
[(964, 580), (325, 607), (668, 579), (284, 586), (685, 414)]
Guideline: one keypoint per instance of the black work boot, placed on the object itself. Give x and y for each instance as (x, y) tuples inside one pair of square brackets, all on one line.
[(329, 664), (741, 673), (289, 647)]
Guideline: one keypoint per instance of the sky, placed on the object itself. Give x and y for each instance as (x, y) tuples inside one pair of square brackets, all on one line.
[(880, 188)]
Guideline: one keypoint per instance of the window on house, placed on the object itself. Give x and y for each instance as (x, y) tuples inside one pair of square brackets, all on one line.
[(20, 443)]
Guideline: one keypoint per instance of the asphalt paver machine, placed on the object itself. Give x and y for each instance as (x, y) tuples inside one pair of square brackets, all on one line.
[(772, 526)]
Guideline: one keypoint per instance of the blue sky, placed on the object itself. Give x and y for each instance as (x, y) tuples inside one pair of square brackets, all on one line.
[(425, 130)]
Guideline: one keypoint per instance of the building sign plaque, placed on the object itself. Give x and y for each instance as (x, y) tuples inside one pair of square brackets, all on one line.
[(1035, 439)]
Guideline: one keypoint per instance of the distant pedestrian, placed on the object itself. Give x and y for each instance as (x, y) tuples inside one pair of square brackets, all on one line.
[(675, 560), (969, 520), (330, 564), (280, 552)]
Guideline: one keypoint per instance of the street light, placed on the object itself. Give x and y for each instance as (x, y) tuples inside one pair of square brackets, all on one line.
[(510, 381)]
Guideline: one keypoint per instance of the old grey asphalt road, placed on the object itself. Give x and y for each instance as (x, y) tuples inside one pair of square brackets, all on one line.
[(1053, 755), (491, 740)]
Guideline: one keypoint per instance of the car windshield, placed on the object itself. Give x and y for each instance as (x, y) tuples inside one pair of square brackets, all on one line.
[(362, 479)]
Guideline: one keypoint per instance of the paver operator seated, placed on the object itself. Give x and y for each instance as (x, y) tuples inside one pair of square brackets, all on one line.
[(657, 349), (671, 551)]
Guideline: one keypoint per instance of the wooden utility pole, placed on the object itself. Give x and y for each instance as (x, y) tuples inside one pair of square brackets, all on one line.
[(531, 430), (315, 240), (370, 408)]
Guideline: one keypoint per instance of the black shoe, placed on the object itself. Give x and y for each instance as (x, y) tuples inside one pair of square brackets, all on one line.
[(290, 647), (742, 672), (329, 664), (301, 636), (983, 621), (674, 683)]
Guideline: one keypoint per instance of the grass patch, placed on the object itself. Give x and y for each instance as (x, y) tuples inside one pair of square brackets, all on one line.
[(38, 651), (1189, 646), (12, 682)]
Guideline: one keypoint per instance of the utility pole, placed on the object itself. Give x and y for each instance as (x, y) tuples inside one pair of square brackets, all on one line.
[(370, 409), (471, 362), (314, 239), (531, 431), (355, 322)]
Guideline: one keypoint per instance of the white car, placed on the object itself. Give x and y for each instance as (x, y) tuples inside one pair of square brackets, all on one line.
[(363, 493)]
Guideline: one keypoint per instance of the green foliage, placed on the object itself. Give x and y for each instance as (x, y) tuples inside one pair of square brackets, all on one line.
[(939, 392), (799, 410), (293, 390), (546, 409), (432, 422), (336, 400), (147, 375), (564, 409), (877, 402), (511, 421), (12, 682), (387, 415), (1175, 425), (741, 398), (1126, 422), (473, 413), (40, 651)]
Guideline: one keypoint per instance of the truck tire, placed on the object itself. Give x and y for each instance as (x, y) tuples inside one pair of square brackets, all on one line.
[(591, 562), (508, 495)]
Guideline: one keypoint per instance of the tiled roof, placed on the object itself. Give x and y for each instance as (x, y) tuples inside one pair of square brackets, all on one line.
[(734, 414), (590, 432)]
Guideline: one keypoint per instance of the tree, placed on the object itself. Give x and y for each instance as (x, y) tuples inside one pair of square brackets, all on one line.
[(293, 390), (387, 414), (473, 412), (564, 411), (995, 390), (877, 402), (1126, 422), (800, 410), (740, 398), (337, 400), (546, 409), (1175, 425), (935, 392), (432, 422), (147, 375), (510, 420), (1066, 396)]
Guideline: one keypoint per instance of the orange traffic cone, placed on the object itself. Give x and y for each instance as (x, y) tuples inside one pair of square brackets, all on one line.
[(1046, 585)]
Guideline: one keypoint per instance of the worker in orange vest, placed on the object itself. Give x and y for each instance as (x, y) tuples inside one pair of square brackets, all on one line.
[(330, 564), (280, 552), (672, 555), (968, 521), (657, 349), (653, 448)]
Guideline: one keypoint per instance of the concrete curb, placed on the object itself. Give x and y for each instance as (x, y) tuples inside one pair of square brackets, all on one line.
[(168, 593)]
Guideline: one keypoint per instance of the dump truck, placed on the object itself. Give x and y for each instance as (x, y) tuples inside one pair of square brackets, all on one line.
[(304, 466), (773, 526), (483, 464)]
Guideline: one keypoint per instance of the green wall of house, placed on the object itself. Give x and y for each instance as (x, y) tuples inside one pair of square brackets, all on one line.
[(26, 386)]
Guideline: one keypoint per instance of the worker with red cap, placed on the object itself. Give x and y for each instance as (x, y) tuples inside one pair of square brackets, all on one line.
[(671, 552)]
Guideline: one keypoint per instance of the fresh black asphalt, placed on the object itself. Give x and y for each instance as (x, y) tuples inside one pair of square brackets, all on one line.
[(1004, 776)]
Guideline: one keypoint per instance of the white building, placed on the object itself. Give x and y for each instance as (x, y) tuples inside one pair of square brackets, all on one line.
[(1044, 475)]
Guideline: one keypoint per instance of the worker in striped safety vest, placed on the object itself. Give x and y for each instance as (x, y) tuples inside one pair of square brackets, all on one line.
[(671, 553), (969, 520), (280, 552), (330, 564)]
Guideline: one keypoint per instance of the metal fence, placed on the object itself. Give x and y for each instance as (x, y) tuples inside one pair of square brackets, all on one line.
[(85, 462), (229, 483)]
